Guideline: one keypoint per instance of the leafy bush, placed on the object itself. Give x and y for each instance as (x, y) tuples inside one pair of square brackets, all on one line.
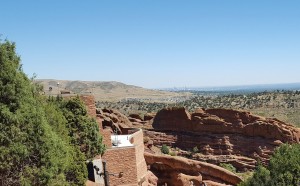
[(172, 153), (284, 168), (260, 177), (165, 149), (195, 149), (285, 165), (228, 166)]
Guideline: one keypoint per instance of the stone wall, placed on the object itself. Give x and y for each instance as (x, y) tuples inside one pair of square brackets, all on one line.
[(121, 160), (89, 101), (106, 140), (129, 160), (138, 141)]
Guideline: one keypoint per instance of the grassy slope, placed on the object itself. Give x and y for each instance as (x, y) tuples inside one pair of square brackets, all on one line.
[(106, 90)]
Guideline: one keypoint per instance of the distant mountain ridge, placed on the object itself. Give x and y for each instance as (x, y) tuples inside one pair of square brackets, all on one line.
[(103, 90), (251, 88)]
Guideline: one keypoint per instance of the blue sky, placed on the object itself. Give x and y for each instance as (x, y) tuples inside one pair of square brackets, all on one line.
[(157, 43)]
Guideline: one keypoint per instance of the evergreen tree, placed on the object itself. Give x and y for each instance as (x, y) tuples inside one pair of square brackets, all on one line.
[(284, 168), (83, 133), (30, 152), (83, 130), (285, 165), (260, 177), (42, 141)]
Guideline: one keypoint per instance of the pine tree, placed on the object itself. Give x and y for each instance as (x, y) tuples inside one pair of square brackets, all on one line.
[(284, 168), (30, 152), (42, 141)]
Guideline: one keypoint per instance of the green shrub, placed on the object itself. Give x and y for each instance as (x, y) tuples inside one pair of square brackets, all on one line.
[(195, 149), (172, 153), (165, 149), (284, 168), (260, 177), (228, 166)]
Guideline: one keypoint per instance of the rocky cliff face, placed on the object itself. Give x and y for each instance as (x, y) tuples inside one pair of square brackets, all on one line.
[(178, 171), (113, 120), (222, 135), (223, 121)]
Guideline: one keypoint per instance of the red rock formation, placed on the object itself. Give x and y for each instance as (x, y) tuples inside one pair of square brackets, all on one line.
[(222, 135), (136, 116), (225, 121), (149, 116), (180, 179), (150, 179), (113, 119), (180, 171), (240, 151)]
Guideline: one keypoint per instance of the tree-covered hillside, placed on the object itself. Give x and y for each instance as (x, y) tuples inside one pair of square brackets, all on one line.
[(283, 104), (43, 140)]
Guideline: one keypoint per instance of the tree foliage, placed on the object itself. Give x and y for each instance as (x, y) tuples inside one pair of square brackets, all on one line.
[(165, 149), (38, 137), (83, 130), (228, 166), (284, 168)]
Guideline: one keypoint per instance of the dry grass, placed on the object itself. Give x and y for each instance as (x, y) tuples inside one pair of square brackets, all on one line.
[(288, 115), (108, 91), (245, 175)]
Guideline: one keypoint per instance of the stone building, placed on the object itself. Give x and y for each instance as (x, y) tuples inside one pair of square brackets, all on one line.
[(124, 155)]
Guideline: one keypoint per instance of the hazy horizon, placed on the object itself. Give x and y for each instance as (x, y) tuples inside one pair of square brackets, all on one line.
[(157, 44), (246, 86)]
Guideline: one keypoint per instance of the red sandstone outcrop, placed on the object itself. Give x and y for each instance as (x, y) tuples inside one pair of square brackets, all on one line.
[(180, 171), (221, 135), (180, 179), (113, 119), (240, 151), (136, 116), (139, 122), (149, 116), (150, 179), (212, 183), (225, 121)]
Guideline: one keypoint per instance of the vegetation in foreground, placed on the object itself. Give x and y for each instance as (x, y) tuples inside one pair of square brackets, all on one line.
[(43, 141), (284, 168)]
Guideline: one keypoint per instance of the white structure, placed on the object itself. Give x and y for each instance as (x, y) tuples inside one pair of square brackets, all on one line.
[(121, 141)]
